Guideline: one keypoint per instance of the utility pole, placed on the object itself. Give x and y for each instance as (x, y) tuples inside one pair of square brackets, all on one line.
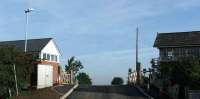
[(16, 86), (137, 63), (27, 11)]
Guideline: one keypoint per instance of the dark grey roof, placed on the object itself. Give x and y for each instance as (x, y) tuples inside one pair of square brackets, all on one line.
[(33, 45), (177, 39)]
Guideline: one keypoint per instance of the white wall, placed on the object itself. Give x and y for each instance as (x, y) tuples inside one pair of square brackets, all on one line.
[(52, 49)]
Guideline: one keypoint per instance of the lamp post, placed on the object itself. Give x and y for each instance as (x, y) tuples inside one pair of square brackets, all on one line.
[(27, 11)]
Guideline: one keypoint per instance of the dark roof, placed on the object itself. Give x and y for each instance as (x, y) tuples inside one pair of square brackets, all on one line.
[(177, 39), (33, 45)]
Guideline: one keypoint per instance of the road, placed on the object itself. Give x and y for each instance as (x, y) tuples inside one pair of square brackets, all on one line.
[(106, 92)]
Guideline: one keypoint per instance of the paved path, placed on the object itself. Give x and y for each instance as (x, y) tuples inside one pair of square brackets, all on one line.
[(106, 92), (62, 89)]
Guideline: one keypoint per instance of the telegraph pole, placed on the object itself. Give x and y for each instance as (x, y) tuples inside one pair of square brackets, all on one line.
[(137, 63)]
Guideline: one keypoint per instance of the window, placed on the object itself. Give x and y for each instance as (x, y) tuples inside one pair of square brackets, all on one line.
[(186, 52), (52, 58), (56, 58), (170, 54), (48, 56), (44, 56)]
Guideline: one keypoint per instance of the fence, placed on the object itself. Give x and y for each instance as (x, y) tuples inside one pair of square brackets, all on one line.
[(194, 94), (132, 77), (68, 78)]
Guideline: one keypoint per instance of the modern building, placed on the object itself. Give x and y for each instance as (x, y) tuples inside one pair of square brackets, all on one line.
[(48, 53), (177, 45)]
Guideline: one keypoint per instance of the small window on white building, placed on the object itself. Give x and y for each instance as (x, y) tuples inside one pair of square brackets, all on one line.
[(44, 56), (52, 58), (56, 58), (48, 56)]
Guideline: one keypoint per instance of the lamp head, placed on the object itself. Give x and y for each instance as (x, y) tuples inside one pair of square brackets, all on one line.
[(29, 10)]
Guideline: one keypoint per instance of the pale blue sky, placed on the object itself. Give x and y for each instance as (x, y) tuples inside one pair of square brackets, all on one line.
[(100, 33)]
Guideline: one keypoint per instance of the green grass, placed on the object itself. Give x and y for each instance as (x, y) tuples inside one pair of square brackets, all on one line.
[(25, 93)]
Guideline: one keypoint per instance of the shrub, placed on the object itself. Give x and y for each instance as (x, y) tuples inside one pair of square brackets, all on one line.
[(117, 81)]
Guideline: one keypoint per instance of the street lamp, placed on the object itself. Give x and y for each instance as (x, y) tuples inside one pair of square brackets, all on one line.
[(27, 11)]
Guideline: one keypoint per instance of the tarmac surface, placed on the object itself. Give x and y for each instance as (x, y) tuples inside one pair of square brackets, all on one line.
[(62, 89), (106, 92)]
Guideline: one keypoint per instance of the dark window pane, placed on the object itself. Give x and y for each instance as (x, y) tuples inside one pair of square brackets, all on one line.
[(44, 56), (48, 57), (52, 57), (56, 58)]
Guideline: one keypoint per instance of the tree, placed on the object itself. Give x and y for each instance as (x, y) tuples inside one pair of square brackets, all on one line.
[(185, 73), (84, 78), (74, 65), (117, 81), (24, 67)]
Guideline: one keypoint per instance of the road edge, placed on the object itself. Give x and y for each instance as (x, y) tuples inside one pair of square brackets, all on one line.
[(144, 93), (69, 92)]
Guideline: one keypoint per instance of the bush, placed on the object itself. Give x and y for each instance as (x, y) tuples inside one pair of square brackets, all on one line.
[(84, 79), (24, 67), (117, 81)]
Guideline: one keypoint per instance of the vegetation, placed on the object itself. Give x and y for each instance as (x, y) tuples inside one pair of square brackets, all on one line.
[(74, 65), (84, 79), (117, 81), (24, 69), (185, 73)]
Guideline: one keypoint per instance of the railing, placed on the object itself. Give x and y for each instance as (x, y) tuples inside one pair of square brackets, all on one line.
[(176, 58), (166, 59), (68, 78), (194, 94), (132, 76)]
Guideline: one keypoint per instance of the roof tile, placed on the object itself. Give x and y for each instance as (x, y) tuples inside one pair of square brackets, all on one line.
[(33, 45), (177, 39)]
